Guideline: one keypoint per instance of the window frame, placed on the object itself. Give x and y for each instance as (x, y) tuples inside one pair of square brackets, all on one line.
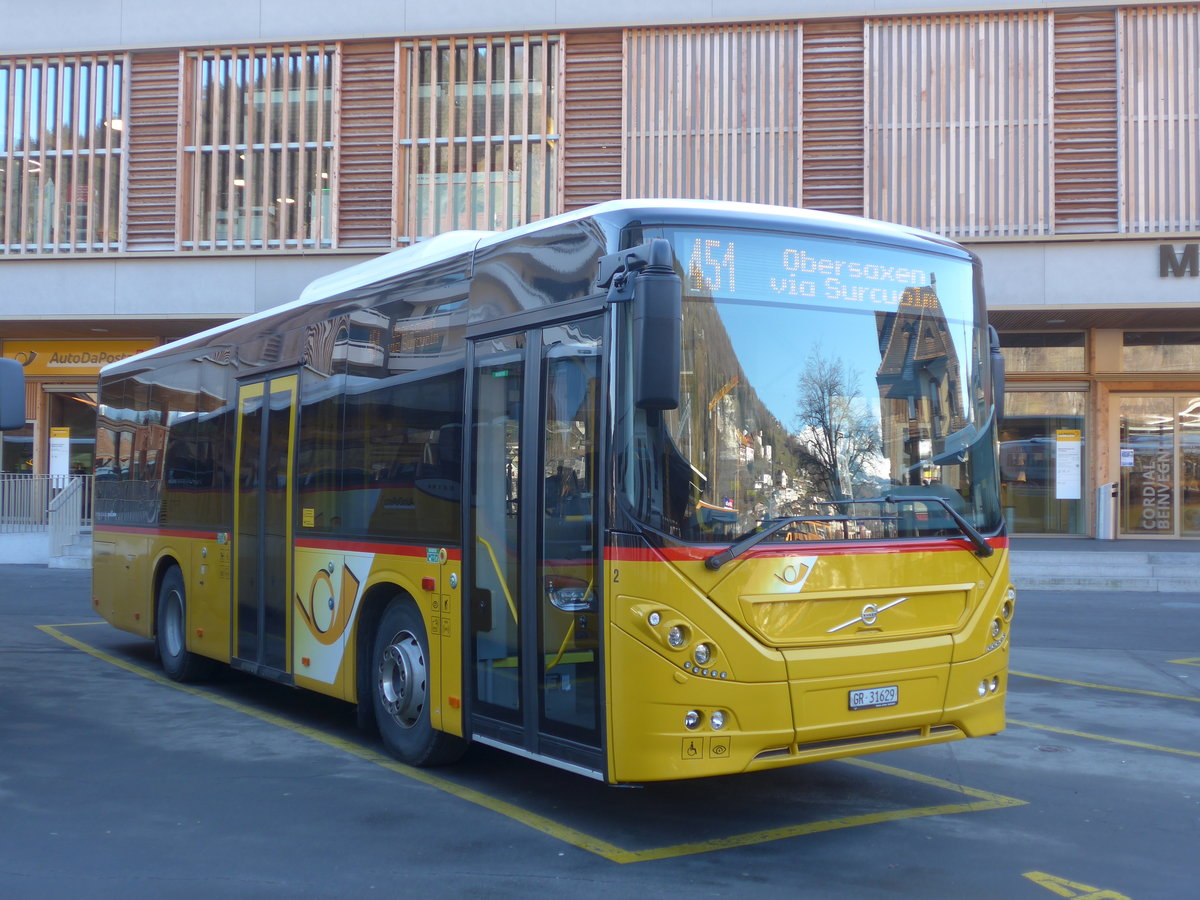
[(36, 88), (218, 137)]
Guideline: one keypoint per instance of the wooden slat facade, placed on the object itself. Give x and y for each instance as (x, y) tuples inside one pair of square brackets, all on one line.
[(832, 162), (713, 112), (365, 113), (995, 124), (958, 137), (152, 182), (1086, 182), (591, 117), (1160, 120)]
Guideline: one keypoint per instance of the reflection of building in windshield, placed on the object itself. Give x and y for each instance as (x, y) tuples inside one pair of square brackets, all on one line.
[(920, 382), (739, 455)]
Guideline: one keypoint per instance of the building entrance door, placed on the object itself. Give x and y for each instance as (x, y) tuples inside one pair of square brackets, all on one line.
[(1159, 437)]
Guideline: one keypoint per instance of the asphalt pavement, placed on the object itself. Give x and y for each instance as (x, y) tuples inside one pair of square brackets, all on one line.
[(117, 783)]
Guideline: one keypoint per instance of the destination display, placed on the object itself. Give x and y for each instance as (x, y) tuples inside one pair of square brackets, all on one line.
[(751, 265)]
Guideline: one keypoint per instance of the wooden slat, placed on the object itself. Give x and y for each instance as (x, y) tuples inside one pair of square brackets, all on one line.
[(365, 186), (153, 135), (833, 148), (1160, 118), (592, 118), (1085, 122), (958, 136), (713, 112)]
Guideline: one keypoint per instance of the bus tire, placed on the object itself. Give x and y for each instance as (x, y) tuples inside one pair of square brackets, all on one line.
[(170, 634), (400, 690)]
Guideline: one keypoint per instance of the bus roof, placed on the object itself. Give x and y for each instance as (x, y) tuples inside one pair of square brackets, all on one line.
[(455, 243)]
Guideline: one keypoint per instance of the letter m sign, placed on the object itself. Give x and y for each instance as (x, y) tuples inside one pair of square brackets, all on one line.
[(1178, 265)]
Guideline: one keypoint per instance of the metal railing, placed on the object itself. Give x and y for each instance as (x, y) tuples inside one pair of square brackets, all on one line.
[(65, 515), (26, 501)]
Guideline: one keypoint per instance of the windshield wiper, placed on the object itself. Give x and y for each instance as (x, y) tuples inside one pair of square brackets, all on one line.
[(717, 560), (982, 547)]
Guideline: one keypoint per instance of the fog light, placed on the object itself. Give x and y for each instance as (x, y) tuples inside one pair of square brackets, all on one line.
[(983, 688), (655, 618), (717, 720), (691, 721), (703, 654), (677, 636), (995, 685)]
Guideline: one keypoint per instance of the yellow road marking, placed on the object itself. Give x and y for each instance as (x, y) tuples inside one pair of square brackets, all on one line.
[(1065, 888), (1194, 661), (1107, 687), (982, 800), (1101, 737)]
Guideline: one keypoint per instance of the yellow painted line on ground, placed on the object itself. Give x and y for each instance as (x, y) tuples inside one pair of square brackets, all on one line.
[(1064, 888), (1194, 661), (1107, 687), (982, 800), (1105, 738)]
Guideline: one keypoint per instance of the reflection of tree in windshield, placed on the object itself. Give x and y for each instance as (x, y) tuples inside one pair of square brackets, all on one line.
[(837, 429)]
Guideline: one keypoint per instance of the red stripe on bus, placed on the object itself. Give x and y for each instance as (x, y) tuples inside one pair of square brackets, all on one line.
[(794, 548), (452, 553)]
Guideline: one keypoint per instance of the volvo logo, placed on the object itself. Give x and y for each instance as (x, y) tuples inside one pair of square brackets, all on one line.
[(869, 615)]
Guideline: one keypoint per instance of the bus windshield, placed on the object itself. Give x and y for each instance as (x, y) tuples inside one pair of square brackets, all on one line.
[(839, 385)]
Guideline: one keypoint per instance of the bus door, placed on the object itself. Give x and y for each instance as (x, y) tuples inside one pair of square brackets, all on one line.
[(534, 586), (262, 510)]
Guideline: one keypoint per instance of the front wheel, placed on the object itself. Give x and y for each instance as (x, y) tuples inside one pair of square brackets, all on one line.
[(170, 635), (400, 690)]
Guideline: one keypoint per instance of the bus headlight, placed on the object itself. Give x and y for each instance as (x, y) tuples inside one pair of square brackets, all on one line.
[(717, 720), (702, 654), (677, 637), (691, 720)]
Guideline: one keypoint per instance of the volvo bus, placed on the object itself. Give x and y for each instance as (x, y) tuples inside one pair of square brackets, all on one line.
[(651, 490)]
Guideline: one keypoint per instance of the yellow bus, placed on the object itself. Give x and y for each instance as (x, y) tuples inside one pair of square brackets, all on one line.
[(651, 490)]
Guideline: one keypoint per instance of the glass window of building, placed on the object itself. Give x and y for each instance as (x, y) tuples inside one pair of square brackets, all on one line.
[(1042, 449), (61, 139), (1053, 351), (258, 148), (1161, 351), (479, 145)]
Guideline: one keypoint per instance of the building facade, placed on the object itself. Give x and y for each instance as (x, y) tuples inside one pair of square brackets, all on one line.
[(161, 172)]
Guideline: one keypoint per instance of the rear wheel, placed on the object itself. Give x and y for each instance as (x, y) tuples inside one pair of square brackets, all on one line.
[(171, 632), (400, 690)]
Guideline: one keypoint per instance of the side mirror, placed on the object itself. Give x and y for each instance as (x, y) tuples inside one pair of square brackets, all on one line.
[(12, 394), (657, 330), (997, 359)]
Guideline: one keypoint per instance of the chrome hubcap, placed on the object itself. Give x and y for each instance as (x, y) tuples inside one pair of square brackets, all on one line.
[(403, 680)]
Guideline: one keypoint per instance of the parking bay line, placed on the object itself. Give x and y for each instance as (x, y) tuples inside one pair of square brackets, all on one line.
[(979, 800), (1106, 687), (1100, 737)]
